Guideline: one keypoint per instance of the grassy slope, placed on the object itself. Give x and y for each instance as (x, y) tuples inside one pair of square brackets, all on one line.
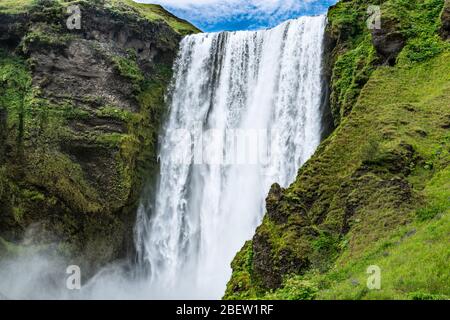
[(157, 12), (15, 6), (380, 177), (152, 12), (413, 258), (414, 261)]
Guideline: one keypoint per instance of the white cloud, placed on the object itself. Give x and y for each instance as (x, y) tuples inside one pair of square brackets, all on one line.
[(263, 4), (261, 12)]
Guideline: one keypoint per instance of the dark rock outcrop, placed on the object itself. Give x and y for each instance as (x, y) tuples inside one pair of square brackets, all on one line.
[(388, 42)]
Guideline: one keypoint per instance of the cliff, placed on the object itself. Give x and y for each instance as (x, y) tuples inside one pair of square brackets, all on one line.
[(80, 111), (377, 190)]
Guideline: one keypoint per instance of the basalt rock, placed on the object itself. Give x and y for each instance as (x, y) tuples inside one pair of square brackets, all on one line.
[(388, 41)]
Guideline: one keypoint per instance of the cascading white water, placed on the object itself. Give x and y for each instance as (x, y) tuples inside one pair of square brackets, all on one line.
[(210, 198)]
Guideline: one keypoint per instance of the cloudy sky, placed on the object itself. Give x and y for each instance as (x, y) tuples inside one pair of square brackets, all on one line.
[(219, 15)]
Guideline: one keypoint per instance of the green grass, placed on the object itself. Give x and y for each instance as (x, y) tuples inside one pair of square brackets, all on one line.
[(15, 6), (155, 12), (128, 68), (151, 12), (413, 261), (354, 58), (425, 89)]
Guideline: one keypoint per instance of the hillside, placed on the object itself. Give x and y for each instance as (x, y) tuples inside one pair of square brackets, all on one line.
[(151, 12)]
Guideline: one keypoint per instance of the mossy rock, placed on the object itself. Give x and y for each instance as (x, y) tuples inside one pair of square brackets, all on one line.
[(80, 114)]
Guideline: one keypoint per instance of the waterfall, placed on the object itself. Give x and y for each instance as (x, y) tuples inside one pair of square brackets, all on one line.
[(245, 112)]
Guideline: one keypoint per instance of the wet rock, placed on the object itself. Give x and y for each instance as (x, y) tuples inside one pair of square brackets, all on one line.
[(272, 204), (388, 41)]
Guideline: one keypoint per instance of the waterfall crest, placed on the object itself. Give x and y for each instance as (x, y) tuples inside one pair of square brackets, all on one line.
[(263, 88)]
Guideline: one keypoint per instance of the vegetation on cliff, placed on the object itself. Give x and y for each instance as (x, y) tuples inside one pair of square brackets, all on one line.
[(80, 112), (152, 12), (376, 192)]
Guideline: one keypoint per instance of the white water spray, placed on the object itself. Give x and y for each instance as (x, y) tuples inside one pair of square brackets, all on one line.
[(241, 82)]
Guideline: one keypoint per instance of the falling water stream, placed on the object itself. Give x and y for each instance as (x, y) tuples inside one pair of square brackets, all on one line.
[(245, 112)]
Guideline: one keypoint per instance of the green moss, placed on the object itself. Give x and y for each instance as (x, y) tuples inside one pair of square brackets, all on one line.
[(45, 35), (151, 12), (155, 12), (240, 286), (64, 178), (128, 68), (71, 112), (15, 6), (112, 112), (42, 126), (32, 124), (351, 71), (354, 58), (422, 49), (139, 149), (15, 87), (3, 182), (413, 261), (294, 288), (74, 166)]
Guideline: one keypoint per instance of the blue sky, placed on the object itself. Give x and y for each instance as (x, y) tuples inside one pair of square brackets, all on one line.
[(230, 15)]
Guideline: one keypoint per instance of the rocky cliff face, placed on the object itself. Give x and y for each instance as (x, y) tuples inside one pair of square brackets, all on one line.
[(80, 111), (374, 189)]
